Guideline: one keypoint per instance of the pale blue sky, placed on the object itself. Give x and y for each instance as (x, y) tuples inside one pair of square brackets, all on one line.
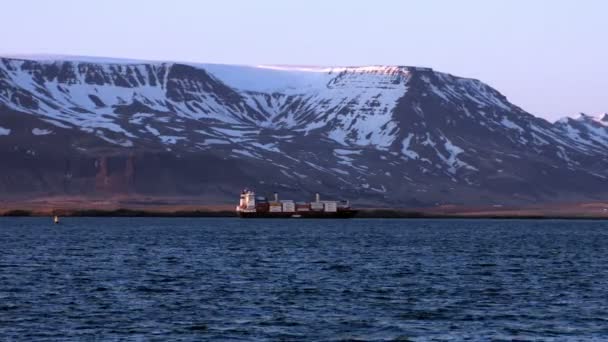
[(548, 56)]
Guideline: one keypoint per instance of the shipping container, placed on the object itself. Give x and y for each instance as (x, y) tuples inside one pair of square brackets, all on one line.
[(330, 206), (275, 207), (289, 206), (302, 206), (262, 207), (316, 206)]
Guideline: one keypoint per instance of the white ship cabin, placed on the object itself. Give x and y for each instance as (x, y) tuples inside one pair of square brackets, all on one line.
[(247, 202)]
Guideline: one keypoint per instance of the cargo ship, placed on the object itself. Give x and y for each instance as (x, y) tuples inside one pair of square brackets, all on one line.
[(252, 206)]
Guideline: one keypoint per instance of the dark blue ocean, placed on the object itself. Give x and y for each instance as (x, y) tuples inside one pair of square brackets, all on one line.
[(299, 280)]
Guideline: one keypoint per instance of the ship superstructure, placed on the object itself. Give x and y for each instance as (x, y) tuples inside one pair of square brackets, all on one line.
[(251, 206)]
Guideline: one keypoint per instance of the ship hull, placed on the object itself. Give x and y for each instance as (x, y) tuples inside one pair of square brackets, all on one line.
[(342, 214)]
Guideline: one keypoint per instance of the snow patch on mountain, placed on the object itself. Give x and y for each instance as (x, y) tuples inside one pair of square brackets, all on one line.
[(410, 154), (38, 131), (344, 152), (119, 142), (510, 124), (171, 139), (266, 80), (216, 142), (152, 130)]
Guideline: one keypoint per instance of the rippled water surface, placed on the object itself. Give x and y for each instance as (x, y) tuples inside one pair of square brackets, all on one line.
[(199, 279)]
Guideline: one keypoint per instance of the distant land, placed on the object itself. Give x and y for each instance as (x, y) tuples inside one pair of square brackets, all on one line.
[(180, 207), (190, 136)]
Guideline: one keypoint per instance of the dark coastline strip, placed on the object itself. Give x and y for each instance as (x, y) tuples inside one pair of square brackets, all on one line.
[(381, 213)]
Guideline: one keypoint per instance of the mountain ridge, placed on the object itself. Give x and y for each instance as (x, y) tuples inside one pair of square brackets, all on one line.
[(378, 134), (53, 58)]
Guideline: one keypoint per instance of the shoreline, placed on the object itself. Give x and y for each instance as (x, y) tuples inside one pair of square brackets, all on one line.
[(363, 213), (193, 207)]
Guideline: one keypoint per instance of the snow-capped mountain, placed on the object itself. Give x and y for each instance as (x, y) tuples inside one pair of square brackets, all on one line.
[(588, 131), (392, 135)]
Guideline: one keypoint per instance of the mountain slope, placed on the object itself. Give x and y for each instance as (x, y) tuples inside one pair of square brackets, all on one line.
[(381, 135)]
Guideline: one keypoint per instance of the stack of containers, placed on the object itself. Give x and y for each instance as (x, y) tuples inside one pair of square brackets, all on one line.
[(330, 206), (275, 207), (316, 206), (261, 204), (302, 206), (288, 206), (261, 207)]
